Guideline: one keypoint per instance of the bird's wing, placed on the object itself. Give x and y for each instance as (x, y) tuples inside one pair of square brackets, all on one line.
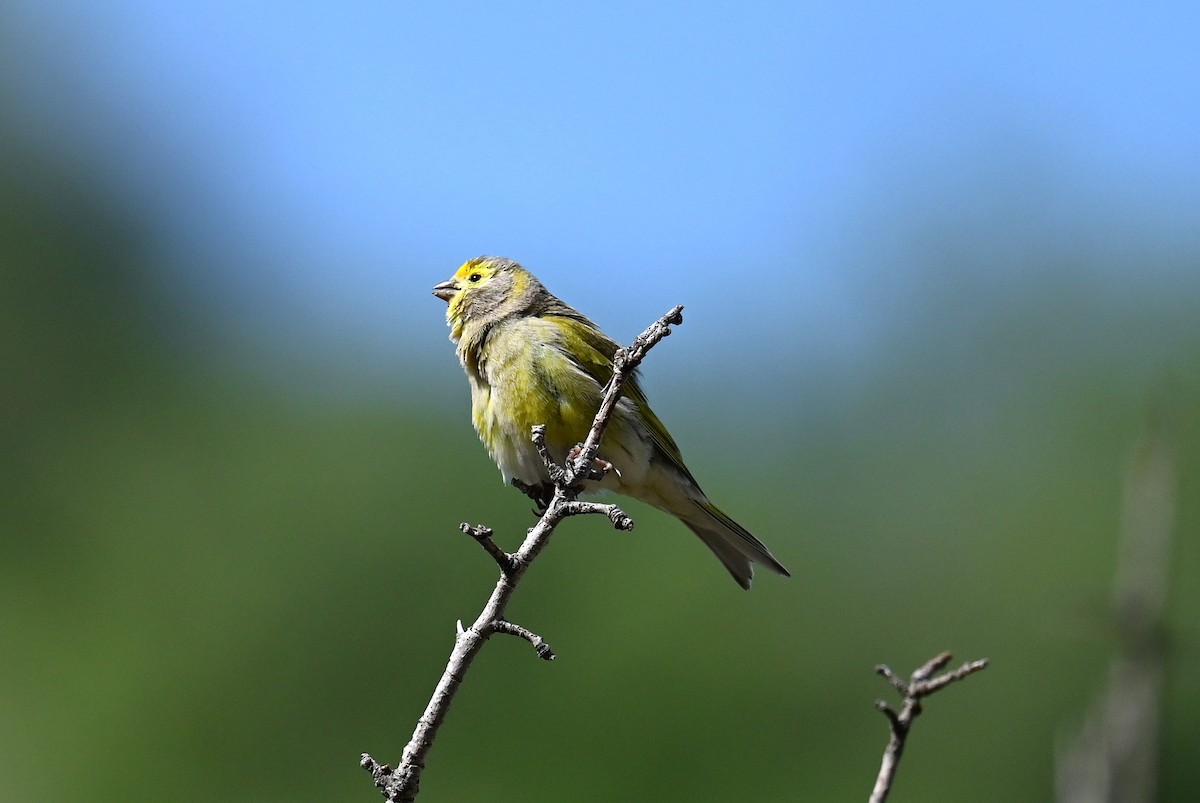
[(592, 352)]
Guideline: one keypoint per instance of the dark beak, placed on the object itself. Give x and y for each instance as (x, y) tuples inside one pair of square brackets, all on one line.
[(446, 290)]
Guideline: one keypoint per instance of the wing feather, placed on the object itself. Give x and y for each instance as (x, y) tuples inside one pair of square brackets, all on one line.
[(592, 352)]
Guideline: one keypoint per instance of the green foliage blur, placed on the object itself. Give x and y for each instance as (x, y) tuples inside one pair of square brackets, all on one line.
[(214, 591)]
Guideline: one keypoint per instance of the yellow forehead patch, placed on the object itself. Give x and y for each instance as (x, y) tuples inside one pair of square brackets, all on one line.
[(476, 265)]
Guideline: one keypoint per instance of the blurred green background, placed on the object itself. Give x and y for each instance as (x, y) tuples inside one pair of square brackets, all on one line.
[(229, 566)]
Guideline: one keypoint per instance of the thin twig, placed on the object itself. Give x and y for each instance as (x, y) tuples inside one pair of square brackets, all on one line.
[(483, 535), (539, 644), (922, 684), (403, 783), (617, 516)]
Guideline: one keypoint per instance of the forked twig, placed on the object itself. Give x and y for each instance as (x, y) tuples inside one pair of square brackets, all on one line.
[(922, 684)]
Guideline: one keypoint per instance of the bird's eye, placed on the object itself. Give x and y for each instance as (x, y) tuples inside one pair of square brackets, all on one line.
[(474, 277)]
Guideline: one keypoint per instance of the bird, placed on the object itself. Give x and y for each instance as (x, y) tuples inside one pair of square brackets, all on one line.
[(530, 358)]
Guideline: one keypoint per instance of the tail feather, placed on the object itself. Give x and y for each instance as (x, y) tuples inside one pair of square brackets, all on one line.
[(732, 543)]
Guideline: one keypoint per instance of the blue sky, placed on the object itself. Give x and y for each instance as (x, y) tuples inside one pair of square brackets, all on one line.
[(312, 169)]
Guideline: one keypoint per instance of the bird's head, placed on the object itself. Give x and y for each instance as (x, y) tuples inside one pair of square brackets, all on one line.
[(485, 290)]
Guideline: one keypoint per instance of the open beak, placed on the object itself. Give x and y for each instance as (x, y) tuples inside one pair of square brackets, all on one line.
[(446, 290)]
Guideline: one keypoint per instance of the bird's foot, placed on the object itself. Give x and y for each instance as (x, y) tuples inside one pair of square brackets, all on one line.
[(599, 466), (541, 493)]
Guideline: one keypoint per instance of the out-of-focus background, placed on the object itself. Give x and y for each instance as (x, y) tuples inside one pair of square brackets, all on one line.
[(942, 349)]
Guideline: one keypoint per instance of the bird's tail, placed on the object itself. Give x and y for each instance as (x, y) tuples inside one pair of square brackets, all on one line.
[(732, 543)]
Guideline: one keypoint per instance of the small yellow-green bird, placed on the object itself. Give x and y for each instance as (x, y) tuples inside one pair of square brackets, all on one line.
[(532, 359)]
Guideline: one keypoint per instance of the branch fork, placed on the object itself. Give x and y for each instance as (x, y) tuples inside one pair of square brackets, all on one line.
[(555, 502), (921, 684)]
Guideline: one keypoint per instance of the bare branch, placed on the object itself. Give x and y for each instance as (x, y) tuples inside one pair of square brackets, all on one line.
[(896, 681), (617, 516), (554, 470), (539, 644), (932, 665), (921, 684), (969, 668), (403, 783), (483, 535)]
